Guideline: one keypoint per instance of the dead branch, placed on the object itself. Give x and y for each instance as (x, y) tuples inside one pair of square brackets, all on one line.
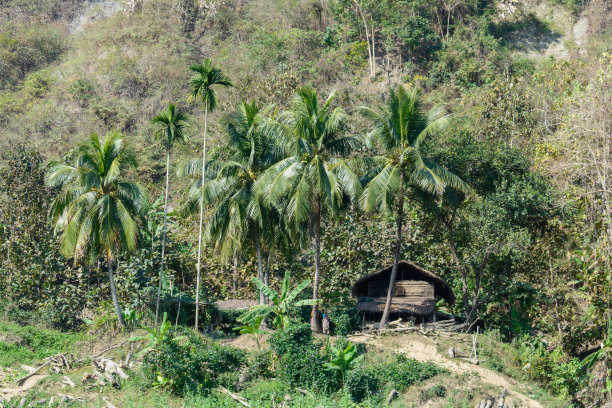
[(303, 391), (23, 379), (105, 350), (392, 395), (236, 397), (108, 403), (502, 397), (68, 381)]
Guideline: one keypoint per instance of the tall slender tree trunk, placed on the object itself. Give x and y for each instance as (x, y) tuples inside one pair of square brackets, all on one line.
[(111, 279), (267, 270), (163, 254), (197, 311), (314, 316), (235, 275), (373, 49), (398, 244), (260, 273), (367, 33)]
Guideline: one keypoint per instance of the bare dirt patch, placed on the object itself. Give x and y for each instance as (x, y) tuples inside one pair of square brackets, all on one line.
[(424, 349)]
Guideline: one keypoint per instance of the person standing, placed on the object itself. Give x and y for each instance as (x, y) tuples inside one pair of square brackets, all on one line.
[(325, 323)]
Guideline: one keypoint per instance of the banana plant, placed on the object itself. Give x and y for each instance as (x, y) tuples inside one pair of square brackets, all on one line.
[(343, 359), (252, 327), (281, 303), (131, 317), (156, 336)]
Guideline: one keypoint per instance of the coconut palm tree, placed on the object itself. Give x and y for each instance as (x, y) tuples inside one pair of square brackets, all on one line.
[(205, 78), (238, 215), (96, 212), (171, 126), (315, 178), (400, 128)]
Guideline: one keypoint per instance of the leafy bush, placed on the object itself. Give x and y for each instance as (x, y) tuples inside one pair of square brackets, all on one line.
[(300, 363), (26, 48), (82, 91), (220, 359), (38, 84), (362, 383), (180, 367), (228, 379), (192, 368), (344, 321), (435, 391), (260, 363), (561, 375), (403, 372)]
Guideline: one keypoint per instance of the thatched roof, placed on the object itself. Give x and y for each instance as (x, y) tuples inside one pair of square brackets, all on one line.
[(405, 271), (235, 304)]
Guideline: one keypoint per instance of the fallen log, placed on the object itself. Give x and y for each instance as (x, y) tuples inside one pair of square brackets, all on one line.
[(33, 373), (104, 351), (502, 397), (236, 397)]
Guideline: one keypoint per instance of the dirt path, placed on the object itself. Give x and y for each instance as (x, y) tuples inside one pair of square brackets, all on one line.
[(423, 349)]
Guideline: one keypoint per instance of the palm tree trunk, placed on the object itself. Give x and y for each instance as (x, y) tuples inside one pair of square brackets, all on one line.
[(398, 244), (260, 274), (111, 278), (163, 254), (235, 275), (267, 270), (315, 326), (197, 311)]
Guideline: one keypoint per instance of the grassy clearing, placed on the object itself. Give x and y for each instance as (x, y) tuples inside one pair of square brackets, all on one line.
[(442, 390), (29, 344)]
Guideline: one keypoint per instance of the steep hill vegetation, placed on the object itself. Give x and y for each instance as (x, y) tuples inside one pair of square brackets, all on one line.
[(512, 206)]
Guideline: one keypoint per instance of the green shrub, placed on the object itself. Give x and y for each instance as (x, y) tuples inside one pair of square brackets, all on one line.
[(403, 372), (25, 48), (260, 363), (178, 367), (362, 383), (38, 84), (82, 91), (561, 375), (192, 368), (222, 359), (300, 362), (435, 391), (344, 321), (228, 379)]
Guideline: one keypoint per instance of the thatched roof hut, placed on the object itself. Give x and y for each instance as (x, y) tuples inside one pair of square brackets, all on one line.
[(414, 291)]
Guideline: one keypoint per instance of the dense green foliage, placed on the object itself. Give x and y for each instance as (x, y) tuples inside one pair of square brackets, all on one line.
[(362, 383), (299, 359), (194, 367)]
